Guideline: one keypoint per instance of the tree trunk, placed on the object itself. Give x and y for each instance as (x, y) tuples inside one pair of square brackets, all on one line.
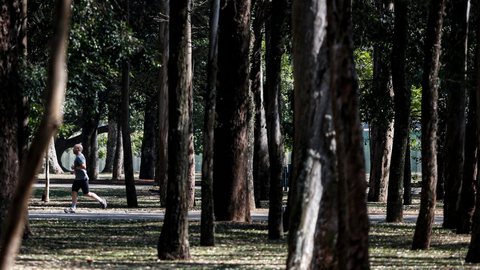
[(207, 233), (118, 159), (147, 164), (423, 228), (402, 113), (275, 48), (173, 241), (111, 145), (230, 160), (89, 141), (407, 177), (191, 165), (127, 144), (261, 172), (455, 70), (348, 133), (161, 174), (311, 142), (466, 205), (52, 158), (12, 228)]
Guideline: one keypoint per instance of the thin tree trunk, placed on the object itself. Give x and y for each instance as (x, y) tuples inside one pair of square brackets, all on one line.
[(455, 70), (348, 133), (261, 172), (57, 77), (147, 164), (207, 233), (423, 228), (89, 140), (46, 190), (161, 174), (173, 241), (275, 48), (402, 113), (131, 192), (118, 159), (111, 145), (407, 177), (191, 166), (312, 104), (230, 161), (466, 205)]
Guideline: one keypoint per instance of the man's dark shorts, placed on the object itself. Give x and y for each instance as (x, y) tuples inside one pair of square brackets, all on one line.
[(80, 184)]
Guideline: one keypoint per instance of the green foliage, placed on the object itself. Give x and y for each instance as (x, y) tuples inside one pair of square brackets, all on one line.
[(364, 69), (287, 101)]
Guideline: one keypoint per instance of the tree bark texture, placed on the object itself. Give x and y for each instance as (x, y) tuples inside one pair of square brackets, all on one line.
[(89, 140), (455, 73), (407, 177), (12, 227), (147, 164), (207, 231), (466, 204), (130, 189), (111, 145), (191, 164), (381, 141), (423, 228), (275, 48), (311, 144), (348, 133), (52, 158), (230, 150), (261, 165), (161, 173), (402, 100), (173, 242), (118, 158)]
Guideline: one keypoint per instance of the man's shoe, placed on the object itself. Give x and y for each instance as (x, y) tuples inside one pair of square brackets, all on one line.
[(69, 210), (103, 203)]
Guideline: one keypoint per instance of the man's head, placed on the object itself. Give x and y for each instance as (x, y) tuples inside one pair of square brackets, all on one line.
[(77, 148)]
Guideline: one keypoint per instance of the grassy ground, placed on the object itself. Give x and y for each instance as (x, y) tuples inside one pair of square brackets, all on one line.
[(127, 244)]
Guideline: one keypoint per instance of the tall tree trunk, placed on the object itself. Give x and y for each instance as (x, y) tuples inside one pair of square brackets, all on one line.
[(191, 166), (207, 234), (455, 71), (131, 192), (111, 145), (402, 113), (348, 133), (89, 141), (311, 144), (275, 47), (250, 149), (161, 174), (147, 164), (52, 158), (173, 241), (466, 205), (423, 228), (407, 177), (12, 228), (261, 165), (473, 254), (118, 158), (230, 160)]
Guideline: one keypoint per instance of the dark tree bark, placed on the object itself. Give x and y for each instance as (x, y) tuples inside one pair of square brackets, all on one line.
[(230, 159), (161, 174), (348, 134), (127, 143), (466, 204), (118, 158), (111, 145), (407, 177), (173, 241), (261, 165), (402, 100), (312, 117), (473, 254), (207, 233), (12, 228), (455, 70), (381, 140), (423, 228), (275, 48), (147, 164), (89, 139)]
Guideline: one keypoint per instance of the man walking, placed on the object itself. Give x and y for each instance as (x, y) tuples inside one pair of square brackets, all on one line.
[(81, 180)]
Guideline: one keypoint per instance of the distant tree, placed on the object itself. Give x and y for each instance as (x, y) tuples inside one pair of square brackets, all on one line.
[(230, 159), (402, 100), (173, 241), (148, 151), (423, 228), (455, 75), (353, 217)]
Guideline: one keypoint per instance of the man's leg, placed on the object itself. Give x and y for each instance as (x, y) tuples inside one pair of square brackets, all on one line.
[(72, 208), (102, 201)]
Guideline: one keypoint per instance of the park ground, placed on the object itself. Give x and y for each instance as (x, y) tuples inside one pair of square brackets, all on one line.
[(124, 238)]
